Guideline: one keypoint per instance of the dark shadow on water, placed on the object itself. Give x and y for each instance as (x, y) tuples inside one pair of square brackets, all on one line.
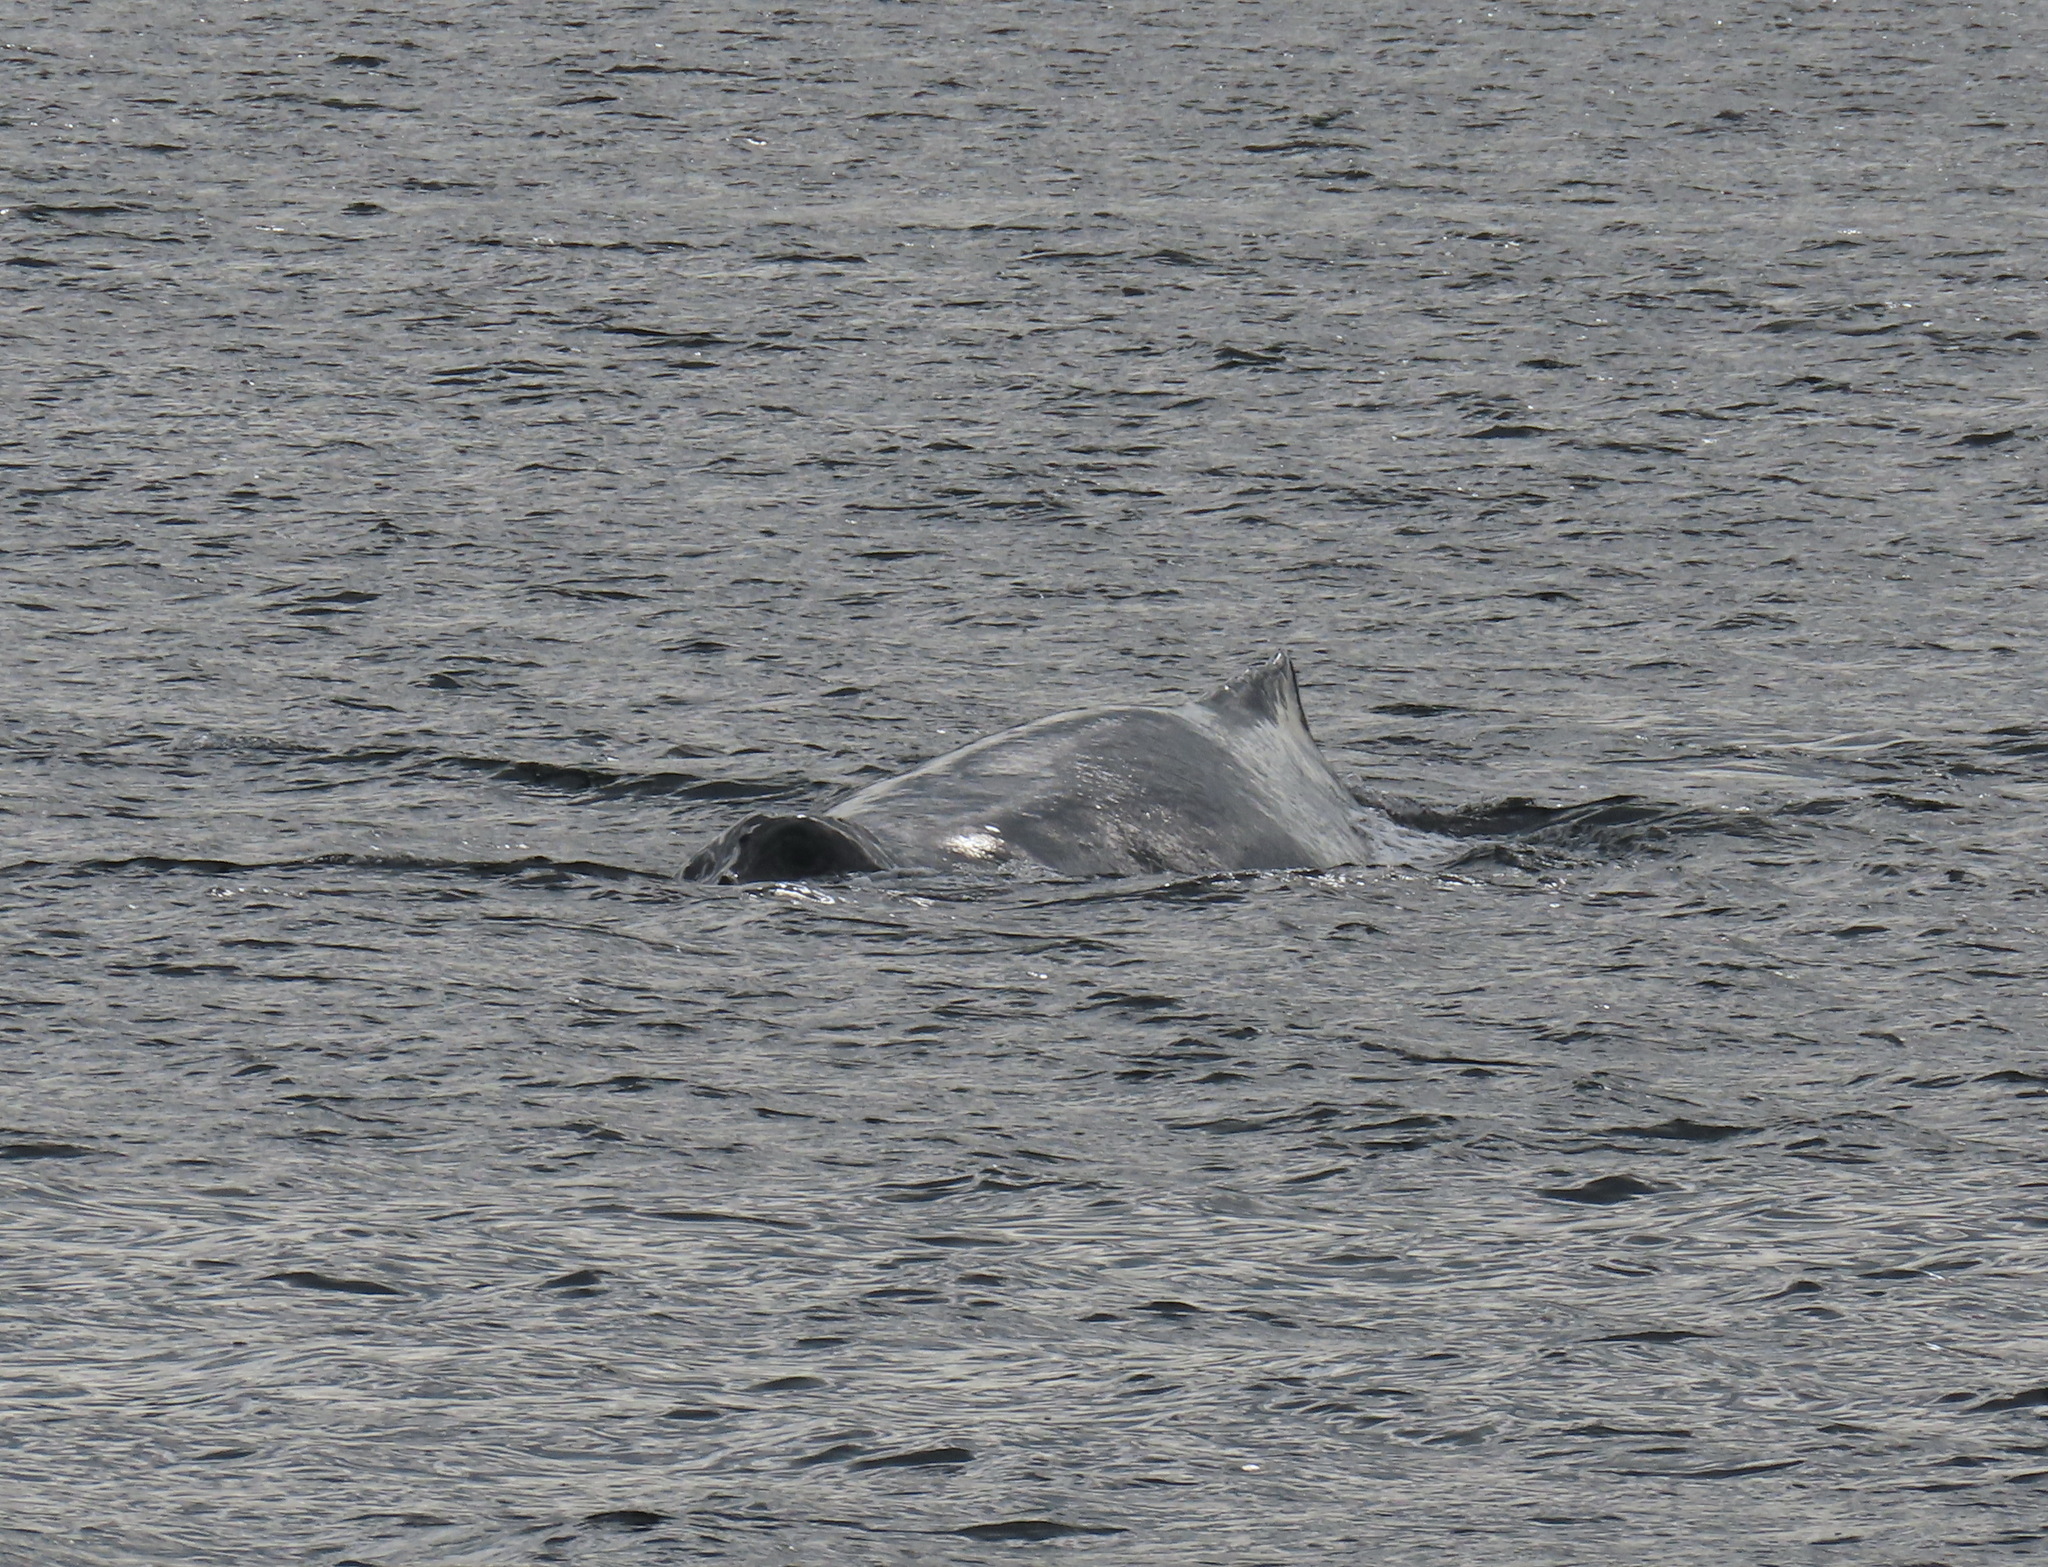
[(1618, 824), (529, 869)]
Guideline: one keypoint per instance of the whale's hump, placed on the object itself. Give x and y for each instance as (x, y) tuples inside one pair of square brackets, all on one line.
[(1264, 694), (1229, 782)]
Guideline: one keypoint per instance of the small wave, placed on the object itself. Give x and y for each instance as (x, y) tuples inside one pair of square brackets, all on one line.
[(2019, 740), (583, 781), (599, 783), (528, 868), (1615, 824)]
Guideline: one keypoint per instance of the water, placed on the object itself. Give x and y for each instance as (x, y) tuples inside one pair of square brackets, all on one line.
[(461, 459)]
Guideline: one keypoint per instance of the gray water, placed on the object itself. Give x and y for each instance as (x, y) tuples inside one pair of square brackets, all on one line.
[(462, 457)]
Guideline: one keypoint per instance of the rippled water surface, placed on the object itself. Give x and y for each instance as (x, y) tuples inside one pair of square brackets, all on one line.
[(461, 457)]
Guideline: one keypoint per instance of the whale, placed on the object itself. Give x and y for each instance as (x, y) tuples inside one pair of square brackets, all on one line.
[(1233, 781)]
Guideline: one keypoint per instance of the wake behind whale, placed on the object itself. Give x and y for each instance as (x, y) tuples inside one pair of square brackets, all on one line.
[(1231, 782)]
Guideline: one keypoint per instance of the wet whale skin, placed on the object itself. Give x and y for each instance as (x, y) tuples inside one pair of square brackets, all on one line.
[(1231, 782)]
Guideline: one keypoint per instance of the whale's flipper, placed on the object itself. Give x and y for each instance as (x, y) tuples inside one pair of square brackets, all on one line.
[(1264, 694), (788, 848)]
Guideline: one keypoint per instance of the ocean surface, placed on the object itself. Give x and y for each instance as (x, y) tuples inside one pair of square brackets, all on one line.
[(458, 458)]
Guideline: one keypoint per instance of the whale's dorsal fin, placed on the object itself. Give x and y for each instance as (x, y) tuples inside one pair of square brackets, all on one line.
[(1265, 693)]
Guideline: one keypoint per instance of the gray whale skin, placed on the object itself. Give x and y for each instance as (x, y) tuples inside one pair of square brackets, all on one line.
[(1233, 782)]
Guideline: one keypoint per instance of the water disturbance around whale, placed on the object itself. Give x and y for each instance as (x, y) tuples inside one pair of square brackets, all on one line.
[(1231, 782)]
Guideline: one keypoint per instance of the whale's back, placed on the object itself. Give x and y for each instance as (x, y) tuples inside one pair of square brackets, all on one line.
[(1231, 782)]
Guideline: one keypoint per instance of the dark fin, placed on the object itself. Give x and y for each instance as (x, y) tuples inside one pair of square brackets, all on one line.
[(1265, 693), (788, 848)]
